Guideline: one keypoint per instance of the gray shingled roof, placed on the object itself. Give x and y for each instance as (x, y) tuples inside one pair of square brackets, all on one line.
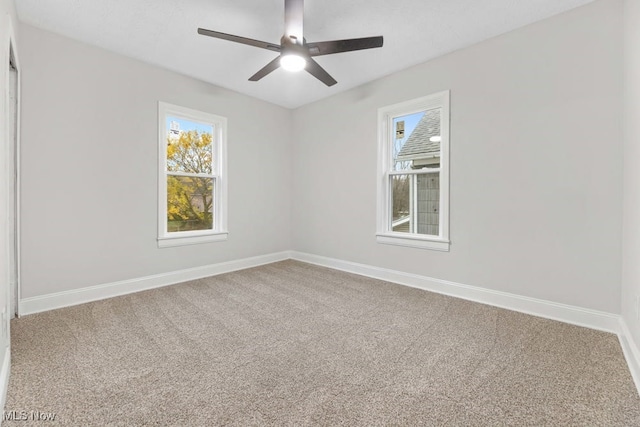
[(418, 144)]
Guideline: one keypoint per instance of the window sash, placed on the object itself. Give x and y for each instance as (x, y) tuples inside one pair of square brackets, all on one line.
[(424, 171), (194, 195), (413, 207), (190, 174)]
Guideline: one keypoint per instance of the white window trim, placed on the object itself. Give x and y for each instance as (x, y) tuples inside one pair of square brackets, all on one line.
[(219, 231), (385, 170)]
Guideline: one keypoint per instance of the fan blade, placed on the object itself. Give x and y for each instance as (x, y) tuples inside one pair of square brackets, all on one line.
[(294, 19), (348, 45), (238, 39), (319, 73), (266, 70)]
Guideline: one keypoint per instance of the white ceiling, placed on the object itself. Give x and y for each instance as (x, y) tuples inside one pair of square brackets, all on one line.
[(163, 32)]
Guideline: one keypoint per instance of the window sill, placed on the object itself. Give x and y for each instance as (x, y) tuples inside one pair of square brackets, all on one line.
[(413, 241), (167, 242)]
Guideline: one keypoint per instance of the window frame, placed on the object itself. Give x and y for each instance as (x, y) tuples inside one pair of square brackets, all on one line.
[(219, 230), (386, 115)]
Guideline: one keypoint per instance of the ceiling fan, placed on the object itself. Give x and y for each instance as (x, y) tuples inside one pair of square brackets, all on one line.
[(295, 53)]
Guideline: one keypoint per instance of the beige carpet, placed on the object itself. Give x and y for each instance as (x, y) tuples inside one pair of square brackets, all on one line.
[(294, 344)]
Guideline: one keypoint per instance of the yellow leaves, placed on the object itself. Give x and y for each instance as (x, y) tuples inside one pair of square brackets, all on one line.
[(190, 152), (171, 149), (177, 200)]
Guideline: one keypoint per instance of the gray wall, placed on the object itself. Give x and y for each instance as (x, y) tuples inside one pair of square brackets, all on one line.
[(536, 157), (631, 206), (89, 167)]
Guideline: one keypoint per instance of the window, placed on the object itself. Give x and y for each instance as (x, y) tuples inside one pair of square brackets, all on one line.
[(192, 176), (413, 179)]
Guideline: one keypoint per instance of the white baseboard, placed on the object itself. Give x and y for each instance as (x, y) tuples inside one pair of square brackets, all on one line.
[(108, 290), (631, 352), (565, 313), (548, 309), (551, 310), (4, 379)]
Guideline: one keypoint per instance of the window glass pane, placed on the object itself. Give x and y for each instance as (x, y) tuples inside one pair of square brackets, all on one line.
[(428, 204), (189, 203), (416, 203), (401, 203), (416, 142), (189, 146)]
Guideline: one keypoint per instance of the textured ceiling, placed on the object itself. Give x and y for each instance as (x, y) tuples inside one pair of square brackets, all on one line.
[(163, 32)]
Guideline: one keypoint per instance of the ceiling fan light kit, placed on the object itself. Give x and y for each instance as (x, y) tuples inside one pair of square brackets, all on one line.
[(295, 53), (292, 62)]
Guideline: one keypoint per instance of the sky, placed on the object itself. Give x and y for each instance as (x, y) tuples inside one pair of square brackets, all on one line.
[(410, 122), (187, 125)]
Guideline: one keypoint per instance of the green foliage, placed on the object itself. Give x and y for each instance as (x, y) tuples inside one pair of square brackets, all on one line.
[(189, 198)]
